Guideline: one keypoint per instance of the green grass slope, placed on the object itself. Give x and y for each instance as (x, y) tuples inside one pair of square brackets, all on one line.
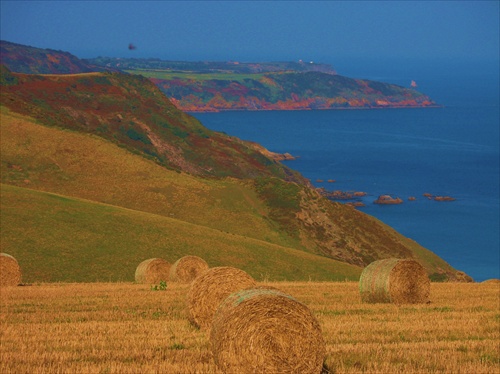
[(86, 166), (56, 238)]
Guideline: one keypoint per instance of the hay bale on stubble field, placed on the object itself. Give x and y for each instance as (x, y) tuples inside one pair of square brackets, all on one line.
[(266, 331), (152, 271), (10, 271), (187, 268), (398, 281), (209, 289)]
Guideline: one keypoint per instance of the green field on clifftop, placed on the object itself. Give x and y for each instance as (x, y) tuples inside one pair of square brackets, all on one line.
[(170, 75)]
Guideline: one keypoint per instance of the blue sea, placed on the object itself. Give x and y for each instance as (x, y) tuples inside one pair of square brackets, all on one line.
[(448, 151)]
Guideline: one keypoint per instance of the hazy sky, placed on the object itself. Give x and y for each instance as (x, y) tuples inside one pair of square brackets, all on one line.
[(323, 31)]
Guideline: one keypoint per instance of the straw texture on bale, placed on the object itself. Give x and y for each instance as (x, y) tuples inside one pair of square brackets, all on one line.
[(10, 271), (152, 271), (266, 331), (187, 268), (209, 289), (394, 281)]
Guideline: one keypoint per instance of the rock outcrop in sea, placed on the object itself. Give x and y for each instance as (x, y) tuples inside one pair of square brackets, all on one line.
[(388, 199)]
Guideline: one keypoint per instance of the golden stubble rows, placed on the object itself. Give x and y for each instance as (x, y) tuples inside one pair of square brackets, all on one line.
[(129, 328)]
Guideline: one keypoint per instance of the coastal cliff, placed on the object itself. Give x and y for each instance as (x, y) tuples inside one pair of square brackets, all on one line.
[(285, 91), (217, 86)]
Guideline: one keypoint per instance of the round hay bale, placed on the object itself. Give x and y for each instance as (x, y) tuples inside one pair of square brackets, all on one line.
[(209, 289), (491, 281), (152, 271), (394, 281), (266, 331), (10, 271), (187, 268)]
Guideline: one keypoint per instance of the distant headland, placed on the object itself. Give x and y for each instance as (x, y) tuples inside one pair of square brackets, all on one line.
[(207, 86), (221, 86)]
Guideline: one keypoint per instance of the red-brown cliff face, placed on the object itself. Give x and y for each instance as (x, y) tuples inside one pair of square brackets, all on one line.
[(287, 91)]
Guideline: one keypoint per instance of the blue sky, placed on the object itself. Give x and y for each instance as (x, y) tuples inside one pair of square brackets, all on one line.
[(323, 31)]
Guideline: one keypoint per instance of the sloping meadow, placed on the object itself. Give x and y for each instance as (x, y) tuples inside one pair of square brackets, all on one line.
[(61, 239)]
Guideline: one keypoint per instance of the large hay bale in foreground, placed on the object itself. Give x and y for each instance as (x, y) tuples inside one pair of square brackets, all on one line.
[(152, 271), (395, 281), (187, 268), (10, 271), (209, 289), (266, 331)]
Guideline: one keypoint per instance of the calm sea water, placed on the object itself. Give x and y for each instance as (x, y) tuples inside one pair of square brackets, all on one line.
[(452, 151)]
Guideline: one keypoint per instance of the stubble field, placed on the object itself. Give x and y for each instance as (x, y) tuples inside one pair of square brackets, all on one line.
[(131, 328)]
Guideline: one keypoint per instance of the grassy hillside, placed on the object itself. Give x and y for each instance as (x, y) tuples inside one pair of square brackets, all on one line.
[(56, 238), (132, 112), (85, 166)]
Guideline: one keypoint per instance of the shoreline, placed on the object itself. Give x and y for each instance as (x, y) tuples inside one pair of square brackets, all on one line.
[(214, 110)]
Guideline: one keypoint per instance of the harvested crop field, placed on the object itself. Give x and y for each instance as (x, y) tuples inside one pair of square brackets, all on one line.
[(130, 328)]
